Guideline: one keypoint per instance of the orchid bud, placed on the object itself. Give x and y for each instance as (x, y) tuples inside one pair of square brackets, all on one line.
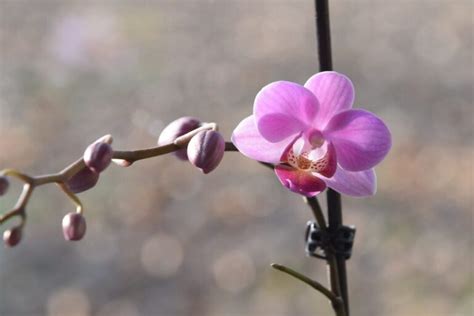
[(12, 237), (74, 226), (4, 184), (83, 180), (105, 139), (178, 128), (98, 156), (122, 162), (206, 149)]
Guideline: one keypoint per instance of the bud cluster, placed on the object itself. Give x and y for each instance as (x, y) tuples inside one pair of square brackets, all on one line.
[(178, 128), (205, 149), (97, 158), (197, 142)]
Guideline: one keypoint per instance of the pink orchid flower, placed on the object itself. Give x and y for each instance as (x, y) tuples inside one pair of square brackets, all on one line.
[(314, 137)]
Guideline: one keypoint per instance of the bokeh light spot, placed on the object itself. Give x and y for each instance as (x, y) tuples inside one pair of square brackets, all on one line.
[(234, 271), (162, 255)]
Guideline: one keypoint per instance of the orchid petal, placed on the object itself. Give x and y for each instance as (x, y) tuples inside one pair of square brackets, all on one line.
[(276, 127), (302, 182), (294, 103), (357, 184), (334, 92), (361, 139), (249, 142)]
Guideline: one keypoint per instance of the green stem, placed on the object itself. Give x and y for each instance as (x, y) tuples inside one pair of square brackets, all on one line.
[(336, 301)]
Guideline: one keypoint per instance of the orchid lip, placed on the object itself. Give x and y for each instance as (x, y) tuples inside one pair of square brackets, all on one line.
[(303, 155)]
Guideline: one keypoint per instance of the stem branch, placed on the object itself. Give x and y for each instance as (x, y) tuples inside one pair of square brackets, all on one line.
[(128, 156), (336, 301)]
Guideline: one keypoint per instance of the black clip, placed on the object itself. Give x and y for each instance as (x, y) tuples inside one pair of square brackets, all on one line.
[(339, 241)]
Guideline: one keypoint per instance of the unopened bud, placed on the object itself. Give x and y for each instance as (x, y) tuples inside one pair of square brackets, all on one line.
[(206, 149), (98, 156), (105, 139), (178, 128), (4, 184), (83, 180), (74, 226), (12, 237), (122, 162)]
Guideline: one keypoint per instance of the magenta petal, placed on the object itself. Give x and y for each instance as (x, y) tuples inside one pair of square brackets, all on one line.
[(334, 92), (357, 184), (287, 98), (301, 182), (248, 140), (361, 139), (276, 127)]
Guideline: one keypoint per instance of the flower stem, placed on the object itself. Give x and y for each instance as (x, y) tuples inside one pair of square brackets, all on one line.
[(337, 263), (317, 211), (323, 35), (72, 196)]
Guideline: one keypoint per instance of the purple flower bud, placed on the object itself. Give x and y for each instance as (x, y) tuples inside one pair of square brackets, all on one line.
[(12, 237), (178, 128), (122, 162), (83, 180), (74, 226), (105, 139), (4, 184), (206, 149), (98, 156)]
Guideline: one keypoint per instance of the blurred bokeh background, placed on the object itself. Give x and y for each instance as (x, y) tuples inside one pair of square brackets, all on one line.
[(164, 239)]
